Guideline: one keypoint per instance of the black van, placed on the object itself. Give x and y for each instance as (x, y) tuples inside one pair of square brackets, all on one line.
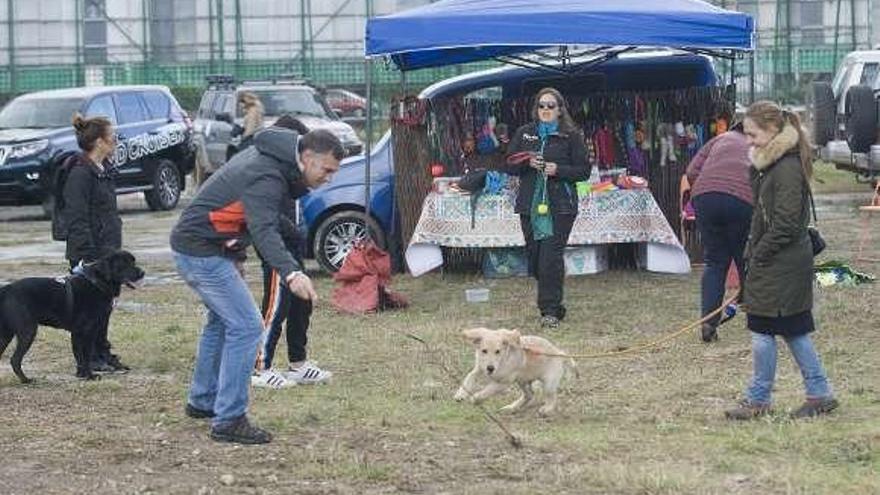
[(154, 150)]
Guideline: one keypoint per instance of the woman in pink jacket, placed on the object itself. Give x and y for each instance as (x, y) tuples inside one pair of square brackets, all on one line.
[(722, 197)]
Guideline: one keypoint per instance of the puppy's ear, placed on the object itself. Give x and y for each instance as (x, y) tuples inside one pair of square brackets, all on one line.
[(512, 338), (475, 335)]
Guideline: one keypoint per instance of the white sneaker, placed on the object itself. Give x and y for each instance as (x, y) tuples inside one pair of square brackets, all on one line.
[(271, 379), (307, 374)]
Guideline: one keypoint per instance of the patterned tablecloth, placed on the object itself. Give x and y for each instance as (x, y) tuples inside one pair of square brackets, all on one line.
[(622, 216)]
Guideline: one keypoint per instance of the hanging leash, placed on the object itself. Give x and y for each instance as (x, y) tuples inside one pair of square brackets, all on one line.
[(647, 345)]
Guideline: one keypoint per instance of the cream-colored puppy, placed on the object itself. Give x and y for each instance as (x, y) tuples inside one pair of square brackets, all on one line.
[(506, 357)]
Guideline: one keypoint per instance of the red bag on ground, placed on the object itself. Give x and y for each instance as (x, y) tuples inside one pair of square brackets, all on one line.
[(364, 276), (732, 277)]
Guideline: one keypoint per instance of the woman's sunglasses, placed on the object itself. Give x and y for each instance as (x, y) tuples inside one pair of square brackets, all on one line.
[(547, 106)]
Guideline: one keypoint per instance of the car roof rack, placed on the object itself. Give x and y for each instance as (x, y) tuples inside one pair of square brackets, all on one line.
[(221, 81), (280, 79), (228, 81)]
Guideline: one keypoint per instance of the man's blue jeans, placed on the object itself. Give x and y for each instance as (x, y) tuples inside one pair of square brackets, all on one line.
[(764, 363), (228, 345)]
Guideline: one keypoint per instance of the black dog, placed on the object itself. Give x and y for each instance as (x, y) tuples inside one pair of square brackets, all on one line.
[(79, 303)]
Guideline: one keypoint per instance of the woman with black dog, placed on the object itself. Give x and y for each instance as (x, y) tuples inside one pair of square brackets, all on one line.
[(547, 202), (94, 228)]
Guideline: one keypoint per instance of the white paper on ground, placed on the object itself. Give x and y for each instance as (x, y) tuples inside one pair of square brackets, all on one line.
[(421, 258), (665, 258)]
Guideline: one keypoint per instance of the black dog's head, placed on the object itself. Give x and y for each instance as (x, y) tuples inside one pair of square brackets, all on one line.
[(117, 269)]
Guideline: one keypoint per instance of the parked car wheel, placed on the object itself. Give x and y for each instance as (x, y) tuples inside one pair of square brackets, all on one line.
[(337, 235), (166, 187), (861, 113), (824, 113)]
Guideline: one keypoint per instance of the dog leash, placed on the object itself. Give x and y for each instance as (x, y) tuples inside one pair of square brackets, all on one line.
[(647, 345)]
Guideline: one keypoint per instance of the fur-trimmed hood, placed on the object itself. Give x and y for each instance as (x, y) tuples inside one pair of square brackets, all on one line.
[(781, 144)]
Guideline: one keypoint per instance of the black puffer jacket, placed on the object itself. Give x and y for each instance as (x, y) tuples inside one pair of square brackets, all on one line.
[(567, 151), (94, 228)]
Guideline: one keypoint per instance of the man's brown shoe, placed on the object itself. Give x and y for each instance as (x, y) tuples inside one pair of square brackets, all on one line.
[(815, 407), (747, 410)]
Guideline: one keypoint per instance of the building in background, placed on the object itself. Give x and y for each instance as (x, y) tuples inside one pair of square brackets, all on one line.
[(59, 43), (799, 41)]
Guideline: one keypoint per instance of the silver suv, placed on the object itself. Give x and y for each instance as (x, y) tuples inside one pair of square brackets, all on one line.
[(218, 113)]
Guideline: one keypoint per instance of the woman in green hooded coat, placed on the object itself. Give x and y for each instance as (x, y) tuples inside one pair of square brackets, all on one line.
[(778, 289)]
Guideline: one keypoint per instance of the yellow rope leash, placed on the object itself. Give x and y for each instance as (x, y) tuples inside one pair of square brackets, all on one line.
[(648, 345)]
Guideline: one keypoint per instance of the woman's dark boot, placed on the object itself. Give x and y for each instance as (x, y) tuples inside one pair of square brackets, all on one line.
[(709, 332)]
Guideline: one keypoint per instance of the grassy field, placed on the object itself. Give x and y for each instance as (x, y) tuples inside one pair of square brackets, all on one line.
[(647, 424)]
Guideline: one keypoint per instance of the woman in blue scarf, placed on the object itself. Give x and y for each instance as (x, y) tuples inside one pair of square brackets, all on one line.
[(547, 202)]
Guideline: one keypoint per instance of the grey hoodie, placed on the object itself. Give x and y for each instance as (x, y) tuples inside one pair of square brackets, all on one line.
[(241, 204)]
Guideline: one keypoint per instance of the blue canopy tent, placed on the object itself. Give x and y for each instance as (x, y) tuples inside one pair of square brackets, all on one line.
[(458, 31)]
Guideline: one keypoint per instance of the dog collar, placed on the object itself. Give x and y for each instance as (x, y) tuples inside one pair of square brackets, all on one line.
[(101, 285)]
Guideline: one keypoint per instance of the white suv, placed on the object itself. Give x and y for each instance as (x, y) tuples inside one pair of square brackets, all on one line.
[(844, 114)]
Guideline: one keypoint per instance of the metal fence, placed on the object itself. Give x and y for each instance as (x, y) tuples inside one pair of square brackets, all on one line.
[(188, 79), (780, 74)]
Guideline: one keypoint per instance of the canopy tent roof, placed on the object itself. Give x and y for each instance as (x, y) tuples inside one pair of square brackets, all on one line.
[(458, 31)]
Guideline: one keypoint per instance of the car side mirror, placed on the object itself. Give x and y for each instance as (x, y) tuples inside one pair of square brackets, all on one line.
[(224, 117)]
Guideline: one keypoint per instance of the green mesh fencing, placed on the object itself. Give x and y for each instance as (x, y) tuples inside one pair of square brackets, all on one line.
[(187, 80), (779, 74)]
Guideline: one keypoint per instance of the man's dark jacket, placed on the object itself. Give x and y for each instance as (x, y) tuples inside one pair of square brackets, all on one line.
[(241, 204)]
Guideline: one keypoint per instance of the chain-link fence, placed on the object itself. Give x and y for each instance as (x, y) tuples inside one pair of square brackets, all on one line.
[(782, 75)]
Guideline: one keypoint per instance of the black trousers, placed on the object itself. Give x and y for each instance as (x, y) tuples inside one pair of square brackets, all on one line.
[(280, 305), (546, 262), (723, 221), (101, 349)]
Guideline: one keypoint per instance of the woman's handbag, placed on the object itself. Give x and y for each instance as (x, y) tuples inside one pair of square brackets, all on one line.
[(473, 180), (816, 239)]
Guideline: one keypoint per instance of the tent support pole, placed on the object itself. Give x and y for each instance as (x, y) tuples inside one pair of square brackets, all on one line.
[(752, 76), (368, 144), (732, 71)]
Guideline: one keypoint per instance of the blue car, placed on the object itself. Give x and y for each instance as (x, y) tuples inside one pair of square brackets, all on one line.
[(334, 214)]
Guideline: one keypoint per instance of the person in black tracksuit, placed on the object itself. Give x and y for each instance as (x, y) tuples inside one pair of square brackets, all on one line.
[(280, 305), (94, 228), (559, 163), (281, 308)]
